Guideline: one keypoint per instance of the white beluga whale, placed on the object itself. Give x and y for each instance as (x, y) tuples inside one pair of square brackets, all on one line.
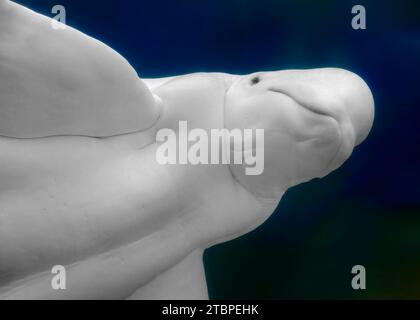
[(79, 182)]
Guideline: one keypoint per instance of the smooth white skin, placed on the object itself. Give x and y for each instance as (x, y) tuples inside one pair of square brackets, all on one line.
[(312, 121), (80, 76), (117, 218), (121, 222)]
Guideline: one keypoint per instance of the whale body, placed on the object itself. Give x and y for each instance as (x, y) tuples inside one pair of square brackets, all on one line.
[(79, 182)]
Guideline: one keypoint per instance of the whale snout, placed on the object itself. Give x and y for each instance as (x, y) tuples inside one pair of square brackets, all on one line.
[(358, 104), (333, 92)]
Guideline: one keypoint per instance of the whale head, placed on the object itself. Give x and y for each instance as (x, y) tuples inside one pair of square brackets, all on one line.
[(312, 120)]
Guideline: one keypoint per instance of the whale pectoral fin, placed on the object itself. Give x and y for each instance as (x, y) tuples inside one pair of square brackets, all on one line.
[(63, 82), (111, 275), (184, 281)]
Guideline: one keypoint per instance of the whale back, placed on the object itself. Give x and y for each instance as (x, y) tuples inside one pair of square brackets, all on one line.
[(62, 82)]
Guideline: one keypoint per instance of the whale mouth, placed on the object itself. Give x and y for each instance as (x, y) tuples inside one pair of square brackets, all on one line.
[(305, 106), (330, 116)]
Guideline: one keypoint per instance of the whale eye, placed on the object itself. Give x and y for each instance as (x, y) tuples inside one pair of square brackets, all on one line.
[(255, 80)]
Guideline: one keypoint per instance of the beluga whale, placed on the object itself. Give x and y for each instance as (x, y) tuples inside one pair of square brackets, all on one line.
[(80, 184)]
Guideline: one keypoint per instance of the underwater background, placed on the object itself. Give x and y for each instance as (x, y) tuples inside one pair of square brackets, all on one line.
[(368, 211)]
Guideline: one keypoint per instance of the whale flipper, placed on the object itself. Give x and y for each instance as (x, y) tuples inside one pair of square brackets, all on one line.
[(63, 82)]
